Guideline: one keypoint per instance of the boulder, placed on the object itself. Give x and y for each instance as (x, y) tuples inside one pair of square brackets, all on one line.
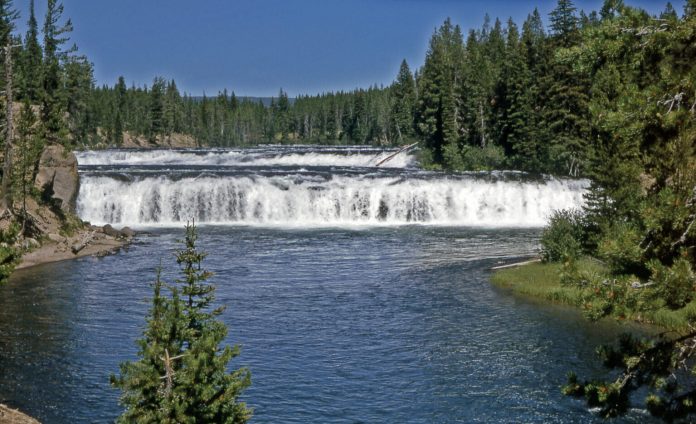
[(30, 243), (57, 177), (111, 231), (96, 229), (127, 232), (56, 238), (77, 247)]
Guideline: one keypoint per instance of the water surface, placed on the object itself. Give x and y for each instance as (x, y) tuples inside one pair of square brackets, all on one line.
[(378, 325)]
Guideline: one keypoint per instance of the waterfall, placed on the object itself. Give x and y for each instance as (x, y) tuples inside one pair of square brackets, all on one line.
[(337, 200), (356, 156)]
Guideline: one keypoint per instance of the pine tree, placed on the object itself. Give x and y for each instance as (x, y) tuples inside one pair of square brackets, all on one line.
[(173, 115), (53, 97), (358, 127), (157, 109), (669, 13), (203, 122), (525, 134), (689, 9), (437, 115), (7, 18), (403, 103), (32, 61), (564, 23), (77, 84), (473, 91), (565, 111), (29, 148), (281, 115), (181, 376), (610, 9), (514, 115)]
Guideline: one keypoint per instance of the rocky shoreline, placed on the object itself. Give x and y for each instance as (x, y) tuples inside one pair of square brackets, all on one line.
[(52, 230), (90, 241), (12, 416)]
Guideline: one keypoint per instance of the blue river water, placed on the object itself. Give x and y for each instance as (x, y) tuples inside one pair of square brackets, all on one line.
[(371, 325)]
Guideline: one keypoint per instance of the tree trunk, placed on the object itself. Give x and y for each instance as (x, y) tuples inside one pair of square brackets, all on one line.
[(483, 125)]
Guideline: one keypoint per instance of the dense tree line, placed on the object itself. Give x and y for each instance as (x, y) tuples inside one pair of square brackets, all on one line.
[(161, 110)]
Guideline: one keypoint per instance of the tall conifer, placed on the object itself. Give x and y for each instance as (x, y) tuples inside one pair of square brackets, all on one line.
[(182, 376), (32, 61), (403, 102), (53, 97)]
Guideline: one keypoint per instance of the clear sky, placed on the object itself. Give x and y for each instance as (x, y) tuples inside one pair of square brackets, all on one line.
[(254, 47)]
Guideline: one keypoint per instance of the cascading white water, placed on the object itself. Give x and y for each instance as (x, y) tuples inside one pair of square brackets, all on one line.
[(258, 157), (340, 200)]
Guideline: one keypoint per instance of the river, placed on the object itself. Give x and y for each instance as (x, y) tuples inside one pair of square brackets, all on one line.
[(358, 293)]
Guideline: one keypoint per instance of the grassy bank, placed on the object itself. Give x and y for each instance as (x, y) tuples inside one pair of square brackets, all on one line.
[(542, 281)]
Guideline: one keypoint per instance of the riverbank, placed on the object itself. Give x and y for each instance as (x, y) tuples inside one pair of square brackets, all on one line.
[(46, 228), (89, 241), (12, 416), (133, 141), (542, 281)]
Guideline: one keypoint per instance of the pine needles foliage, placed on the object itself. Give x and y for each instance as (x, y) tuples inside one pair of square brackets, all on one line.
[(182, 375)]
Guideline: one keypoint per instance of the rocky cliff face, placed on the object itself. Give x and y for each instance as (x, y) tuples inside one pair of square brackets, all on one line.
[(57, 177)]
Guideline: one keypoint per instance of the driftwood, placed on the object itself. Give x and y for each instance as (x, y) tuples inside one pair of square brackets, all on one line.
[(390, 157), (672, 100), (637, 285), (690, 203), (516, 264), (77, 247)]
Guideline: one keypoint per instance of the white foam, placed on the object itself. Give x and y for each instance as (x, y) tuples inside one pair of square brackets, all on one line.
[(340, 201), (245, 157)]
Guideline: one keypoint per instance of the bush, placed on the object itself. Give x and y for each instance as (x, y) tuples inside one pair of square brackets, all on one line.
[(562, 238), (9, 253), (426, 160), (474, 158), (675, 284)]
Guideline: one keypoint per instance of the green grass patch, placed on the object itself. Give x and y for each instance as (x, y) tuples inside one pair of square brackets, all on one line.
[(538, 280), (543, 281)]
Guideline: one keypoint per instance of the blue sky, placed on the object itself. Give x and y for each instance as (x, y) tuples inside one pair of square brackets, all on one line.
[(254, 47)]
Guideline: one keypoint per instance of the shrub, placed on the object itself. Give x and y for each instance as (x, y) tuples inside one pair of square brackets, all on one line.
[(562, 238), (9, 253), (487, 158), (427, 161)]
